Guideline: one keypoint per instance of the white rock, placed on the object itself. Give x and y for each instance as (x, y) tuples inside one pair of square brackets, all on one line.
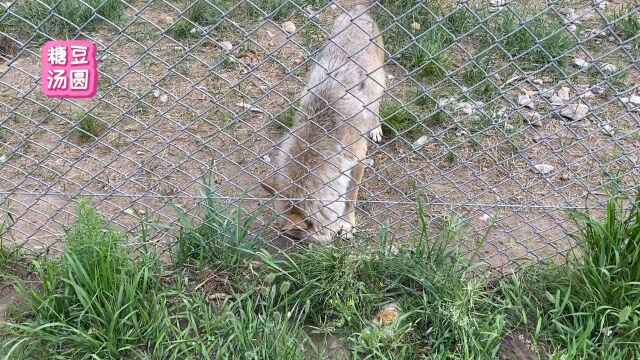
[(572, 28), (556, 100), (226, 46), (563, 94), (581, 63), (485, 217), (538, 81), (163, 98), (390, 77), (543, 168), (289, 27), (565, 176), (624, 100), (415, 26), (587, 94), (534, 118), (420, 142), (547, 93), (156, 93), (508, 127), (601, 5), (266, 158), (575, 112), (3, 159), (635, 100), (525, 100), (466, 108), (607, 129), (609, 69)]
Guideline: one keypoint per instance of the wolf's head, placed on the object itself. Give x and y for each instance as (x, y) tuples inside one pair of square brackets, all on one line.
[(293, 221)]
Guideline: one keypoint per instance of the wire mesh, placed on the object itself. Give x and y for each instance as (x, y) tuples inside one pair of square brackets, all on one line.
[(500, 115)]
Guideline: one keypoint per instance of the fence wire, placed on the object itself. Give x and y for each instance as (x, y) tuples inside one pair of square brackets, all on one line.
[(500, 115)]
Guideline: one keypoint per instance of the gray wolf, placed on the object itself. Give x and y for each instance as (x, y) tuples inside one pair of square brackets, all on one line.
[(319, 162)]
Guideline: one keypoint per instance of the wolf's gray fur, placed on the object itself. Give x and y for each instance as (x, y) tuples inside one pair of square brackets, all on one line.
[(323, 153)]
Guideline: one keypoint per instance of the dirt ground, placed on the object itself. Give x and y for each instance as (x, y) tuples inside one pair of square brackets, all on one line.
[(179, 110)]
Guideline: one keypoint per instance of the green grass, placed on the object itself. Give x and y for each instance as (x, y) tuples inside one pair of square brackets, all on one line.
[(627, 25), (409, 118), (100, 301), (536, 42), (67, 17), (285, 120), (200, 14), (590, 308), (89, 128)]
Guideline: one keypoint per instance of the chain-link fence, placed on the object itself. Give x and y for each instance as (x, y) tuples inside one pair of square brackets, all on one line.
[(500, 115)]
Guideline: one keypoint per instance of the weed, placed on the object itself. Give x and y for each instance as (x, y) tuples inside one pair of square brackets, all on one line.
[(535, 42), (89, 128), (588, 309), (222, 242), (627, 25), (285, 120), (65, 18)]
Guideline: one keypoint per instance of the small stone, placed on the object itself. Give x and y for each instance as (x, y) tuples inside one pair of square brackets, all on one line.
[(415, 26), (611, 39), (597, 89), (609, 69), (466, 108), (624, 100), (607, 129), (485, 217), (219, 296), (581, 63), (635, 100), (575, 112), (538, 81), (533, 118), (3, 159), (572, 28), (525, 101), (565, 176), (226, 46), (163, 98), (266, 158), (289, 27), (587, 94), (563, 94), (547, 93), (193, 31), (543, 169), (387, 315), (461, 133), (390, 77), (420, 142), (601, 5), (156, 93), (556, 100)]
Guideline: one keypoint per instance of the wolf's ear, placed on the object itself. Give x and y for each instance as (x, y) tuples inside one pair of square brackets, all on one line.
[(268, 187)]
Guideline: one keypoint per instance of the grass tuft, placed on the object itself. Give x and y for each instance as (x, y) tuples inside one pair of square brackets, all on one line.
[(66, 18), (89, 128)]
